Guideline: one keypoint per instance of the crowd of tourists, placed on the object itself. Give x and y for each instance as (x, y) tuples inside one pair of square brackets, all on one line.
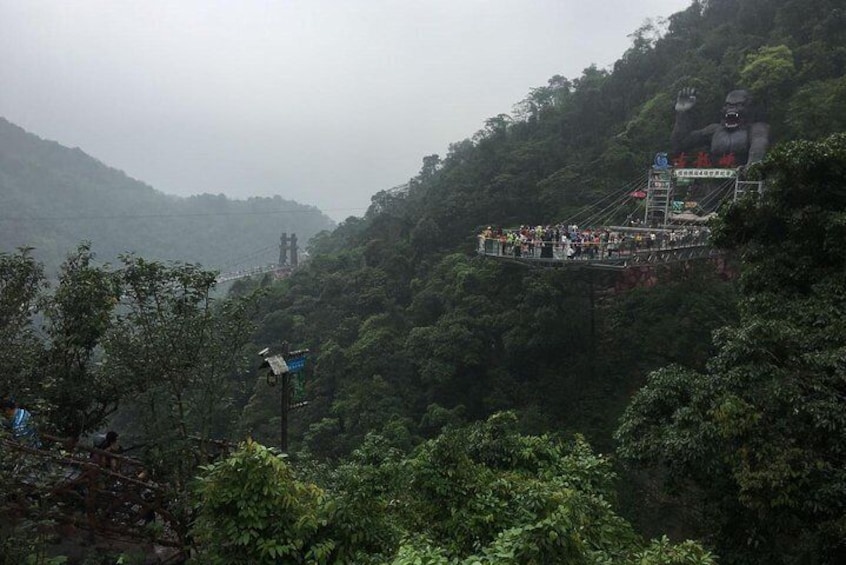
[(563, 242)]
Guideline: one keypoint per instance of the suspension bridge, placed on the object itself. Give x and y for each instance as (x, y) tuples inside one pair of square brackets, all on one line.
[(279, 271), (287, 262)]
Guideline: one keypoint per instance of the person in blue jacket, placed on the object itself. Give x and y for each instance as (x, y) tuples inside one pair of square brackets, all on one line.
[(19, 420)]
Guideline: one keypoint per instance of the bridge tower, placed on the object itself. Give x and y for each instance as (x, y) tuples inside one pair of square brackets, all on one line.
[(659, 195), (283, 250), (294, 251), (287, 244)]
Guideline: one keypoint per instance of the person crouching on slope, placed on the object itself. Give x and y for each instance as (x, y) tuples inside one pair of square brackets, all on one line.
[(19, 420)]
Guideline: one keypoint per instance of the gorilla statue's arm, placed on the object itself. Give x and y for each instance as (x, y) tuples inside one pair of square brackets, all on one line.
[(684, 137)]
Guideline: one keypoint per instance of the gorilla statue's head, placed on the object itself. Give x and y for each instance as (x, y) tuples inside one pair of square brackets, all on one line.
[(735, 108)]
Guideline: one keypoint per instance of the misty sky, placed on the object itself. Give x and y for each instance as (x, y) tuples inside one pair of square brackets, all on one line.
[(325, 102)]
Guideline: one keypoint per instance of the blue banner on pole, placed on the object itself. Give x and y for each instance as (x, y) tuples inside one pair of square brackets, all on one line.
[(295, 365)]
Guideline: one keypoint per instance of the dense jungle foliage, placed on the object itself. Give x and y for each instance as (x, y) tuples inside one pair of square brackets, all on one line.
[(445, 391), (53, 197), (410, 331)]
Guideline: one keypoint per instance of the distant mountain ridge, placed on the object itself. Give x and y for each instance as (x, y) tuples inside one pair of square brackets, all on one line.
[(53, 197)]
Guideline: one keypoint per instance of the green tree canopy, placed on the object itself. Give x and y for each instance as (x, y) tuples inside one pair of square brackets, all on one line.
[(479, 494), (762, 434)]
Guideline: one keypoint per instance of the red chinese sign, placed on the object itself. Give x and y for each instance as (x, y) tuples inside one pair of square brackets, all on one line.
[(702, 160)]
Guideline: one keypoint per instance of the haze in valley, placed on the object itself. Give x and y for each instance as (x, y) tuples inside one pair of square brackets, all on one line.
[(325, 102)]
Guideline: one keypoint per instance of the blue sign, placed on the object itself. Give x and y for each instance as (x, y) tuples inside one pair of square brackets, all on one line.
[(661, 161), (297, 364)]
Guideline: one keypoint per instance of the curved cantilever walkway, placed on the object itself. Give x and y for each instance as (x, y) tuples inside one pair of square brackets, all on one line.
[(619, 250)]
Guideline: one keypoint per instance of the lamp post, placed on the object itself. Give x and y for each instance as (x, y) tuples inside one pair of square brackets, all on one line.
[(280, 367), (277, 369)]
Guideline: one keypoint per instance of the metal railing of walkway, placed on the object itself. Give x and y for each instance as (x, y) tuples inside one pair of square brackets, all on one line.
[(252, 272), (611, 248)]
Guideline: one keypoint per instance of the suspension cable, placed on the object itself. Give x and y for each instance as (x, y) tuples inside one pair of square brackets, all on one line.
[(623, 199), (617, 195)]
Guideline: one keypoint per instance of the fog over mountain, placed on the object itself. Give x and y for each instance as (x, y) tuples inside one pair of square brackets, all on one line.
[(53, 197), (323, 102)]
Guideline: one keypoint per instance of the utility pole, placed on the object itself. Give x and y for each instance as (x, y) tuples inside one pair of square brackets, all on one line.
[(285, 401)]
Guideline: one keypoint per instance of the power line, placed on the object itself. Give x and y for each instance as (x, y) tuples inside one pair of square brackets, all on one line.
[(152, 216), (242, 258)]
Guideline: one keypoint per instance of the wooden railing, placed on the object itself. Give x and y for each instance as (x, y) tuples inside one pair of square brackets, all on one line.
[(101, 492)]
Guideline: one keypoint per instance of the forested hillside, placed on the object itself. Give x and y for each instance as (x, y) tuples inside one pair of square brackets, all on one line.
[(410, 330), (53, 197), (454, 409)]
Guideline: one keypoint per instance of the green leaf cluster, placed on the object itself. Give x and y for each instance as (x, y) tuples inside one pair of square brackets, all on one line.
[(251, 510), (477, 494)]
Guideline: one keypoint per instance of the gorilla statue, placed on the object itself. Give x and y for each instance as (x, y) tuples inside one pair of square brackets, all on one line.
[(736, 134)]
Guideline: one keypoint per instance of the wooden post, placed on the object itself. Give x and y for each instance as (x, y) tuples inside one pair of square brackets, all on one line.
[(92, 476)]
